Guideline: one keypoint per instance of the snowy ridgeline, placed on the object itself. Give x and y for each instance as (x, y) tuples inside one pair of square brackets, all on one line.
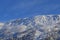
[(41, 27)]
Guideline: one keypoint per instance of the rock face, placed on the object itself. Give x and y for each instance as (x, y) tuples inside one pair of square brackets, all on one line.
[(41, 27)]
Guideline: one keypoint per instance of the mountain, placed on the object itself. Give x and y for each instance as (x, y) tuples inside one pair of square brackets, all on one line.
[(40, 27), (1, 24)]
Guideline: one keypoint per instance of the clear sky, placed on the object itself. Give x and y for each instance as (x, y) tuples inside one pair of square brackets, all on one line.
[(13, 9)]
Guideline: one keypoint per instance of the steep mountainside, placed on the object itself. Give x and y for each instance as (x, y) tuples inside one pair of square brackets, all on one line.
[(41, 27)]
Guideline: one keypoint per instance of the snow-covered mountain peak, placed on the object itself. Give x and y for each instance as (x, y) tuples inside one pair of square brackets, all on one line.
[(40, 26)]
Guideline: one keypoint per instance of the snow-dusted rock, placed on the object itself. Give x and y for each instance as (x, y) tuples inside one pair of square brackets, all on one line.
[(41, 27)]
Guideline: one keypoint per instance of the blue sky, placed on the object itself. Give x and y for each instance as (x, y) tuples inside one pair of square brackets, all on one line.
[(13, 9)]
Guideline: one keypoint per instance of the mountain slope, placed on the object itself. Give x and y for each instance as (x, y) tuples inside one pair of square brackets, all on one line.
[(41, 27)]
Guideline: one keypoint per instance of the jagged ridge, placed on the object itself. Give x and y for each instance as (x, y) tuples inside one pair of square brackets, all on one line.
[(42, 27)]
